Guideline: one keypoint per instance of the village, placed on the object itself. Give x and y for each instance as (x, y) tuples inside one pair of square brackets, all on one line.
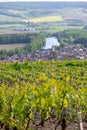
[(68, 52)]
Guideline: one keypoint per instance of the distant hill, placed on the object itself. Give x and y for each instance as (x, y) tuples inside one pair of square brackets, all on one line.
[(22, 11), (41, 5), (24, 14)]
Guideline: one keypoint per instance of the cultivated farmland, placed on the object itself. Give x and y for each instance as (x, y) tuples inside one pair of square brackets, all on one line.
[(46, 19), (11, 46)]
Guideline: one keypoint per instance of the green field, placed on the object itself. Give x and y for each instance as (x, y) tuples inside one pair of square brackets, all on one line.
[(8, 26), (4, 18), (11, 31), (61, 28), (54, 18), (8, 29)]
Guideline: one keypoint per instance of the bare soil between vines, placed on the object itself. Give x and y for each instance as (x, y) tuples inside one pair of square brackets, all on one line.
[(70, 126)]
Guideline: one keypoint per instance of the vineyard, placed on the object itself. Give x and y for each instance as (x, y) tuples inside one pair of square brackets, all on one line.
[(42, 95)]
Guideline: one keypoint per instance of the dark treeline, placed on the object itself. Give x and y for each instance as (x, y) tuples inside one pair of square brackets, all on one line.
[(76, 36), (36, 43), (33, 42), (15, 38), (20, 38)]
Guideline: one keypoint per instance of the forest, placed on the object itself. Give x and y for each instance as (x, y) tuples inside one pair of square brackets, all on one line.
[(69, 36)]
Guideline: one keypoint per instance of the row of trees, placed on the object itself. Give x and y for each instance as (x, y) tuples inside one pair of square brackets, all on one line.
[(17, 38), (32, 42), (77, 36)]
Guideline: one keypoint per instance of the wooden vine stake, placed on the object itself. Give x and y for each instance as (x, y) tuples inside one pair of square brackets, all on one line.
[(79, 114)]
